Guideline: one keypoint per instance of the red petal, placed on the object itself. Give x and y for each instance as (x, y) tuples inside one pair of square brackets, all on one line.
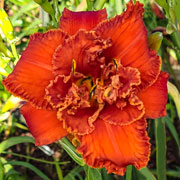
[(129, 43), (33, 71), (56, 90), (154, 97), (84, 48), (43, 124), (78, 123), (124, 116), (71, 22), (116, 147)]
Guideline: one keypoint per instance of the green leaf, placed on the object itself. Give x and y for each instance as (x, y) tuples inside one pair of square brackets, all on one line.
[(163, 4), (3, 60), (30, 29), (11, 103), (3, 72), (90, 4), (47, 150), (30, 166), (177, 10), (173, 131), (6, 25), (174, 93), (13, 141), (99, 4), (1, 171), (4, 49), (119, 6), (106, 176), (11, 173), (4, 116), (93, 174), (74, 173), (70, 149), (58, 170), (147, 174), (129, 172), (161, 148), (28, 7), (46, 6), (171, 173)]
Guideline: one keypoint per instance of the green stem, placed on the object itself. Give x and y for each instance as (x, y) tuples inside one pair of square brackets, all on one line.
[(160, 135), (99, 4), (1, 171), (90, 4), (173, 91), (14, 52), (68, 143), (58, 170), (176, 42), (171, 70), (119, 6), (175, 39), (171, 45), (35, 159), (129, 172), (71, 150), (54, 20), (57, 13)]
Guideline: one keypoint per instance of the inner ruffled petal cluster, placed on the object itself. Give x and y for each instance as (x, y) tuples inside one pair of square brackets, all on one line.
[(116, 88)]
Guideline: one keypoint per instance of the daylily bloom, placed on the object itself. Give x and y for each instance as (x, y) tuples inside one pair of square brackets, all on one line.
[(97, 80)]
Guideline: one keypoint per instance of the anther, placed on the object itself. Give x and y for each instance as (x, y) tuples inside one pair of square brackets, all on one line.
[(73, 66), (115, 63), (92, 91)]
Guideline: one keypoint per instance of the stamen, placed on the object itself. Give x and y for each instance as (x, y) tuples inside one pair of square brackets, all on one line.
[(85, 79), (73, 66), (100, 81), (92, 91), (115, 63)]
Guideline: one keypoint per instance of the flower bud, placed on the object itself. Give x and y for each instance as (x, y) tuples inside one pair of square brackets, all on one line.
[(155, 40)]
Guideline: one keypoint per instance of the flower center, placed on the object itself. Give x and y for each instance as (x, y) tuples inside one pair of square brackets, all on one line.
[(116, 85)]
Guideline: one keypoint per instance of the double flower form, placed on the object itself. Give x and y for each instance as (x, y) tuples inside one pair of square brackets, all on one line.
[(97, 80)]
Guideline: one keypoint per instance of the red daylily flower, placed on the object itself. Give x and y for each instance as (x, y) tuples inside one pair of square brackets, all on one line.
[(97, 80)]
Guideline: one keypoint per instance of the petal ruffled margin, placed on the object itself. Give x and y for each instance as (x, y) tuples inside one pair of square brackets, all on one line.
[(33, 71), (84, 48), (129, 43), (43, 124), (128, 114), (71, 22), (115, 147), (154, 97), (79, 123), (56, 90)]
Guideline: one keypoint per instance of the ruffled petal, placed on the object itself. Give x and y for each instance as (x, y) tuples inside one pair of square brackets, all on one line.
[(115, 147), (56, 90), (133, 111), (33, 71), (43, 124), (154, 97), (84, 48), (71, 22), (78, 123), (129, 43)]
